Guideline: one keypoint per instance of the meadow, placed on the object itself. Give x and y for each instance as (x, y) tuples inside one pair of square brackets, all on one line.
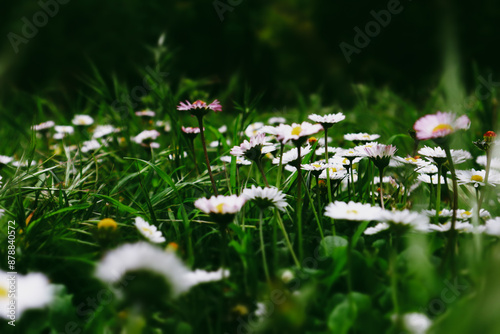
[(162, 208)]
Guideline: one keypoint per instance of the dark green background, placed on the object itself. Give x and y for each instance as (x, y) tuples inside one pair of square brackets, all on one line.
[(279, 47)]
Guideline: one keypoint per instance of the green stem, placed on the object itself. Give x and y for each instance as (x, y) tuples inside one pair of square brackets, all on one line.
[(381, 170), (328, 181), (263, 248), (453, 232), (261, 169), (394, 276), (287, 240), (315, 213), (299, 204), (280, 166), (438, 193), (202, 134), (486, 175)]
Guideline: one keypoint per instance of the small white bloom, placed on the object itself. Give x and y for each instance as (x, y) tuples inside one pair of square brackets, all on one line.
[(492, 227), (376, 229), (253, 129), (149, 231), (5, 159), (81, 120), (361, 137), (239, 160), (266, 197), (416, 323), (352, 211), (146, 137), (220, 204), (43, 126), (437, 154), (477, 177), (428, 179), (103, 130), (276, 120), (64, 129), (327, 120), (145, 113)]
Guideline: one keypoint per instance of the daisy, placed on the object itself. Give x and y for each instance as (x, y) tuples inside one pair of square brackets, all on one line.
[(239, 160), (438, 155), (416, 161), (297, 133), (33, 291), (221, 208), (495, 162), (222, 129), (430, 178), (380, 154), (361, 137), (352, 211), (429, 169), (315, 168), (467, 214), (253, 129), (63, 130), (5, 159), (439, 125), (265, 197), (43, 126), (405, 217), (376, 229), (146, 138), (82, 120), (104, 130), (90, 145), (492, 227), (336, 172), (149, 231), (291, 156), (145, 113), (276, 120), (476, 177), (190, 132), (144, 256), (459, 226), (322, 150), (254, 149), (200, 108), (327, 121), (416, 323)]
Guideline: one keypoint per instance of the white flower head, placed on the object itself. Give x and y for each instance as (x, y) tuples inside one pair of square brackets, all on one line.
[(43, 126), (291, 156), (64, 129), (492, 227), (145, 113), (144, 256), (239, 160), (149, 231), (82, 120), (33, 292), (253, 129), (438, 155), (377, 228), (361, 137), (5, 159), (352, 211), (477, 177), (296, 132), (91, 145), (430, 178), (276, 120), (409, 218), (146, 138), (255, 149), (266, 197), (219, 206), (439, 125), (104, 130), (327, 120)]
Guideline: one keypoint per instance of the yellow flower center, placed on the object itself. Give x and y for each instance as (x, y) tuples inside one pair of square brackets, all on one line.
[(442, 127), (333, 170), (296, 130), (107, 223), (317, 165), (477, 178), (219, 207), (3, 292), (411, 159), (366, 136), (352, 211)]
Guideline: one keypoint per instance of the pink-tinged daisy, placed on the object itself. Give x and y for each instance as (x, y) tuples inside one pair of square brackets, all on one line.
[(43, 126), (477, 177), (440, 125), (190, 132), (255, 149), (146, 138), (82, 120), (380, 154), (221, 208), (327, 121), (352, 211), (361, 137), (145, 113), (200, 108)]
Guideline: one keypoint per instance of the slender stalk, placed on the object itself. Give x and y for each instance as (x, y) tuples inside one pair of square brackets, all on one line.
[(280, 166), (394, 276), (328, 181), (452, 232), (381, 170), (438, 193), (261, 169), (299, 204), (202, 134), (349, 263), (486, 175), (191, 146), (315, 213), (287, 240), (263, 248)]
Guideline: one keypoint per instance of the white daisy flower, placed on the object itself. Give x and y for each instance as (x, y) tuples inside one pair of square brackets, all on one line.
[(43, 126), (376, 229), (5, 159), (104, 130), (255, 149), (253, 129), (361, 137), (430, 178), (476, 177), (439, 125), (145, 113), (416, 323), (380, 154), (276, 120), (405, 217), (352, 211), (417, 161), (64, 129), (352, 153), (239, 160), (222, 129), (438, 155), (220, 205), (33, 292), (149, 231), (90, 145), (492, 227), (495, 162), (296, 132), (331, 150), (467, 214), (144, 256), (459, 226), (266, 197), (327, 120), (429, 169), (335, 172), (146, 138), (291, 156), (82, 120)]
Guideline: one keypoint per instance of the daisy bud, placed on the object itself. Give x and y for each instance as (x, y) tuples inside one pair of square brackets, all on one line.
[(107, 223), (489, 136), (312, 140)]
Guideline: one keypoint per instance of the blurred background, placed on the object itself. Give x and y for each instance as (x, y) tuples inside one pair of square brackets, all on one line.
[(283, 49)]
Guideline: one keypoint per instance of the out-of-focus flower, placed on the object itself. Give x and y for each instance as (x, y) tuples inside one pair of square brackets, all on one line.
[(352, 211), (253, 129), (149, 231), (82, 120), (146, 138), (43, 126), (440, 125), (221, 208), (361, 137), (104, 130), (145, 113), (276, 120), (477, 177), (239, 160), (438, 155)]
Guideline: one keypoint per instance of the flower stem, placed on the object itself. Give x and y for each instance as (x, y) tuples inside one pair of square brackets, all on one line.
[(287, 240), (261, 170), (202, 134), (452, 232), (263, 248), (438, 193), (486, 174), (381, 170), (280, 166), (328, 181), (299, 204)]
